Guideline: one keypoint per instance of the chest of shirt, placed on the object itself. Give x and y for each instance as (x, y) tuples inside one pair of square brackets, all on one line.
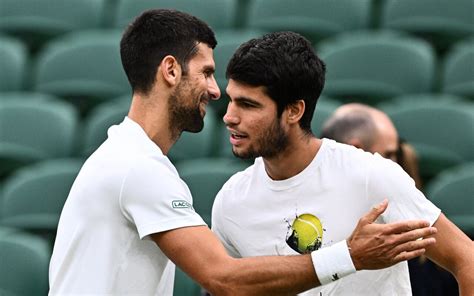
[(292, 221)]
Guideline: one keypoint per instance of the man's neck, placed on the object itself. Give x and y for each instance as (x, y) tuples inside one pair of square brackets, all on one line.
[(294, 159), (152, 115)]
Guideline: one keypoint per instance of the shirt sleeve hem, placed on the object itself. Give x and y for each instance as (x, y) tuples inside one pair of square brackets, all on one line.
[(169, 225)]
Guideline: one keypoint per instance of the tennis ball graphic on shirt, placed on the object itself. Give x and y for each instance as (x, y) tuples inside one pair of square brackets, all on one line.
[(306, 235)]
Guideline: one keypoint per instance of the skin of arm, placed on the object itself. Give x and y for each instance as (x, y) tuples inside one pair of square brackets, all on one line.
[(454, 251), (198, 252)]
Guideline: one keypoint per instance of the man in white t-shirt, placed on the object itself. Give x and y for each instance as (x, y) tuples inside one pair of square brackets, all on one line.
[(129, 217), (302, 193)]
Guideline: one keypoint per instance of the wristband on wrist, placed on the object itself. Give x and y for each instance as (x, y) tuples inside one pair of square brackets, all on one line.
[(332, 263)]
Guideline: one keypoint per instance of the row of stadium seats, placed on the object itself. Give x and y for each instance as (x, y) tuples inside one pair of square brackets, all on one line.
[(32, 200), (440, 21), (372, 66), (35, 126), (25, 262)]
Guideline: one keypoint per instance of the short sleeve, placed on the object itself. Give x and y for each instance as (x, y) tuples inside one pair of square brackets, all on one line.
[(155, 199), (388, 180), (218, 223)]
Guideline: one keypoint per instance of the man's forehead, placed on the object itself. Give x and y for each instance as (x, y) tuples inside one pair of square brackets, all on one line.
[(238, 89), (204, 52)]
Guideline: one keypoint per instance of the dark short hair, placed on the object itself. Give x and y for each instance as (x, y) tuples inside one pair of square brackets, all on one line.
[(285, 64), (155, 34), (358, 124)]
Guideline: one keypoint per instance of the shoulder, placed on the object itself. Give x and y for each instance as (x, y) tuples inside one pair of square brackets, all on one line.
[(345, 161), (344, 153), (152, 171)]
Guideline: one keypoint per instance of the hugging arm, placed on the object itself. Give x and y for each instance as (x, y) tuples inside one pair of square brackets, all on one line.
[(200, 254)]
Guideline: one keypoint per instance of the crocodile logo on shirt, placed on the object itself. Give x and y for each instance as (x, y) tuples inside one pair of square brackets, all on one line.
[(181, 204)]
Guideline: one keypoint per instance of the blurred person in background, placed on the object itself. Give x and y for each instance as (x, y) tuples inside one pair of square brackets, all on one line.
[(371, 130)]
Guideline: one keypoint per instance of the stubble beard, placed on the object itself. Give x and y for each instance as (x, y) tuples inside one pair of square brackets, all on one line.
[(184, 116), (273, 141)]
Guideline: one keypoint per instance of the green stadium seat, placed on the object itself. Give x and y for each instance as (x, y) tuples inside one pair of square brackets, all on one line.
[(100, 119), (205, 177), (458, 72), (24, 265), (13, 63), (441, 133), (26, 95), (453, 191), (31, 131), (33, 196), (35, 21), (228, 42), (219, 14), (324, 109), (425, 99), (184, 285), (371, 67), (83, 66), (315, 19), (4, 231), (196, 145), (440, 22)]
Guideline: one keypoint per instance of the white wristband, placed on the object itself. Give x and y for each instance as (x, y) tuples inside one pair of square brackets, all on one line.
[(332, 263)]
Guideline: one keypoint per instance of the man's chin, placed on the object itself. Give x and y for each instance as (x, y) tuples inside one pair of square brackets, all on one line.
[(196, 128), (243, 154)]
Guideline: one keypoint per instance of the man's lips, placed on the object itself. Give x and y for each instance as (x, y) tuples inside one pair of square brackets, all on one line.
[(236, 137)]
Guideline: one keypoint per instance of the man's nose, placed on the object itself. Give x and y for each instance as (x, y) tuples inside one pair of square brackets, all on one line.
[(213, 89)]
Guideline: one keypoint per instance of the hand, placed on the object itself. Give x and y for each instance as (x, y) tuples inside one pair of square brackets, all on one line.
[(376, 246)]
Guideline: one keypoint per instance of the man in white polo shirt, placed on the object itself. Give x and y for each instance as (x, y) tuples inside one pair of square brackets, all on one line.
[(129, 216)]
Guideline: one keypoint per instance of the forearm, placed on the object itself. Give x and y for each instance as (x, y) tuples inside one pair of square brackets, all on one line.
[(454, 252), (282, 275), (203, 257), (465, 278), (461, 267)]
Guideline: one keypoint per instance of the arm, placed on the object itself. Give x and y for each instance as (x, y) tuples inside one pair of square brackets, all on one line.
[(454, 251), (200, 254)]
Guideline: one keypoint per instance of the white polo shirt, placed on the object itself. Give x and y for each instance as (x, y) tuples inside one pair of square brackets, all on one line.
[(125, 191)]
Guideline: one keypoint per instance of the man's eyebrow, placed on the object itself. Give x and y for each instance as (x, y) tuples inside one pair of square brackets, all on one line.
[(209, 68), (244, 99)]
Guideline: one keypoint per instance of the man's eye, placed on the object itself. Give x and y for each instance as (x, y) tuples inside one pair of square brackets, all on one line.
[(247, 105)]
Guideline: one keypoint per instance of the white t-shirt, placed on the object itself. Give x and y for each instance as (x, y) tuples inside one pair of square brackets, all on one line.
[(254, 215), (125, 191)]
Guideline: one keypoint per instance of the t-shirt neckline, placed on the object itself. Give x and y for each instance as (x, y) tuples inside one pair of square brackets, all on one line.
[(278, 185)]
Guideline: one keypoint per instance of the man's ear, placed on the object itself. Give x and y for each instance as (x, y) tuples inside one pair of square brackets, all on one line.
[(169, 70), (295, 111)]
